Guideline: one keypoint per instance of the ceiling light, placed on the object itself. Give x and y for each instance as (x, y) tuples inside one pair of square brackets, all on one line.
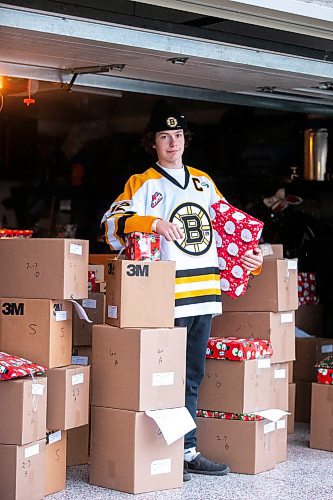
[(178, 60)]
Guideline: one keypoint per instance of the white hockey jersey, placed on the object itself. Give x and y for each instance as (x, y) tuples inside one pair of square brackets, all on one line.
[(157, 195)]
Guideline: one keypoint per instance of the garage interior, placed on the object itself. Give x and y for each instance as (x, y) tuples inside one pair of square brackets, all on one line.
[(255, 95)]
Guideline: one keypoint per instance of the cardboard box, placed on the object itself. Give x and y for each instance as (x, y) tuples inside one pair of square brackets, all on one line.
[(303, 401), (278, 328), (44, 268), (82, 355), (247, 447), (244, 386), (290, 372), (144, 368), (68, 397), (94, 306), (309, 351), (55, 462), (78, 445), (98, 270), (282, 440), (291, 408), (272, 251), (37, 329), (273, 290), (129, 453), (310, 319), (321, 429), (22, 471), (140, 294), (102, 258), (23, 410)]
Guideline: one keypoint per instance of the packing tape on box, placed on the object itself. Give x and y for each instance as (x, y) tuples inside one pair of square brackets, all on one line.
[(80, 311)]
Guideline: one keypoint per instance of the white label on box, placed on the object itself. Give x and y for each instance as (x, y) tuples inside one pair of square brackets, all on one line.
[(89, 303), (292, 263), (327, 348), (80, 360), (54, 437), (31, 451), (77, 379), (280, 373), (286, 317), (281, 424), (76, 249), (160, 466), (38, 389), (112, 312), (167, 378), (264, 363), (61, 315), (270, 427)]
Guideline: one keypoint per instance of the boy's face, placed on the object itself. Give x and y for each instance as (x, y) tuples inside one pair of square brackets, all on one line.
[(169, 145)]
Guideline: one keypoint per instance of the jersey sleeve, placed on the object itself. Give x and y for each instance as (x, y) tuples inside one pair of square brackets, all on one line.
[(127, 214)]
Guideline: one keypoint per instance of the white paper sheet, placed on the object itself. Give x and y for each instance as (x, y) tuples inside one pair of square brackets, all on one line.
[(80, 311), (174, 423), (273, 415)]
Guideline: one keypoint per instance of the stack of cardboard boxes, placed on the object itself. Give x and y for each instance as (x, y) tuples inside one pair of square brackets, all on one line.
[(39, 277), (138, 369), (309, 351), (265, 311), (322, 406)]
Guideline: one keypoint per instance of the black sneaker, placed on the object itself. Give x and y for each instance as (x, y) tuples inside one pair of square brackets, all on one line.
[(186, 476), (202, 465)]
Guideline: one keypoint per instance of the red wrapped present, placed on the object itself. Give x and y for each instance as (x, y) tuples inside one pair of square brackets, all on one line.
[(325, 371), (236, 232), (142, 246), (16, 233), (235, 349), (92, 285), (246, 417), (307, 288), (14, 367)]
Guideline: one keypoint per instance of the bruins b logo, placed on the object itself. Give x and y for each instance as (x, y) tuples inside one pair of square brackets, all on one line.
[(196, 226)]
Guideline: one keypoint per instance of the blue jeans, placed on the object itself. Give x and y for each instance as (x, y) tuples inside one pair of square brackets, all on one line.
[(198, 332)]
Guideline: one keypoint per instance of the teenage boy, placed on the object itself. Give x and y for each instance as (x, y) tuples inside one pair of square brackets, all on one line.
[(174, 201)]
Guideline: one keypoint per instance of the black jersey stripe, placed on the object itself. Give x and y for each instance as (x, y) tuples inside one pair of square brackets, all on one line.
[(121, 224), (198, 300), (185, 273)]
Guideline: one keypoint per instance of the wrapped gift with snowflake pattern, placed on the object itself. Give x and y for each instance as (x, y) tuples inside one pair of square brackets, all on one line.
[(236, 232), (325, 371), (142, 246), (236, 349), (245, 417), (14, 367), (307, 288)]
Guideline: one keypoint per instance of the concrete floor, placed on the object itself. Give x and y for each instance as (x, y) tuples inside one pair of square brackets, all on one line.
[(307, 475)]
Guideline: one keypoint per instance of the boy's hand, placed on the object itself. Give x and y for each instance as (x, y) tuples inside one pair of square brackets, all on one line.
[(170, 231), (252, 259)]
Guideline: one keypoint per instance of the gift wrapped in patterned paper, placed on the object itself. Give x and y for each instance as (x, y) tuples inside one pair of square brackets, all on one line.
[(235, 349), (307, 288), (142, 246), (325, 371), (14, 367), (16, 233), (246, 417), (236, 232)]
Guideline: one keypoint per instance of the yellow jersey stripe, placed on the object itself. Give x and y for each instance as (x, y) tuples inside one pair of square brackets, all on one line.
[(197, 293), (202, 277)]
